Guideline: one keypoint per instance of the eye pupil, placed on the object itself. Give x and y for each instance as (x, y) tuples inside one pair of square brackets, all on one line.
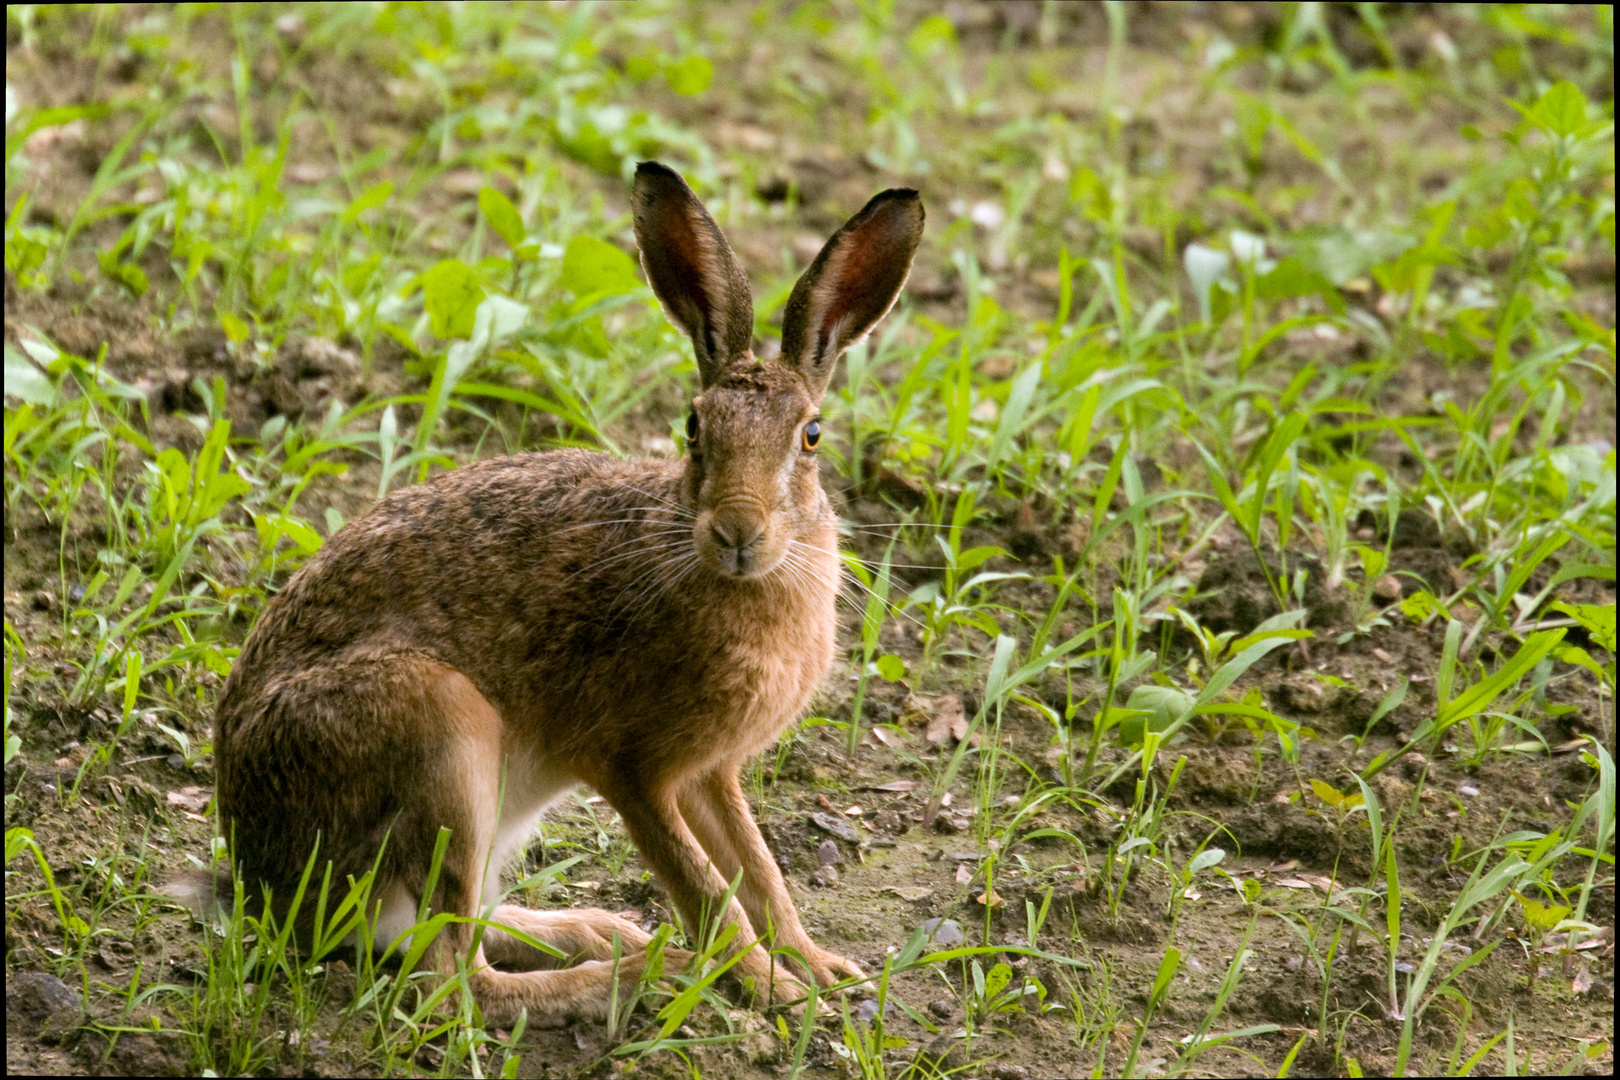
[(812, 435)]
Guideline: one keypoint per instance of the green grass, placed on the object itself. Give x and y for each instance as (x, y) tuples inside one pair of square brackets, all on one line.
[(1282, 290)]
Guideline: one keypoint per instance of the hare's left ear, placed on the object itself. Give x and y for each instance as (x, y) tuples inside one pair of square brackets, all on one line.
[(851, 285), (692, 269)]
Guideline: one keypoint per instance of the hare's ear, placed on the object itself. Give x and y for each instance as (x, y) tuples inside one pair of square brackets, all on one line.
[(851, 285), (691, 268)]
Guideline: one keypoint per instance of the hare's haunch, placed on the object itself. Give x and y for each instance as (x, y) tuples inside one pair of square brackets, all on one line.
[(469, 650)]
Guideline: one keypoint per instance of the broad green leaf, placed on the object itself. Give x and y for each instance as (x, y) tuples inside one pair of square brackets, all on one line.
[(1421, 605), (372, 197), (25, 381), (1598, 619), (1154, 708), (502, 216), (1574, 654), (1542, 916), (930, 36), (1562, 109), (891, 667), (689, 76), (451, 294), (973, 557), (497, 319), (594, 267), (236, 330), (1328, 793), (128, 275), (1293, 277)]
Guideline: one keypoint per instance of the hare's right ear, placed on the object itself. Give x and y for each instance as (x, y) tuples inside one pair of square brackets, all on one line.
[(851, 285), (691, 269)]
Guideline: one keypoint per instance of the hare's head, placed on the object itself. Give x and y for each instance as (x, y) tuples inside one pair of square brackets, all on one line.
[(752, 434)]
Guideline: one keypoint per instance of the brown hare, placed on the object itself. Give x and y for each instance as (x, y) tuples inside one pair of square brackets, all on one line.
[(471, 649)]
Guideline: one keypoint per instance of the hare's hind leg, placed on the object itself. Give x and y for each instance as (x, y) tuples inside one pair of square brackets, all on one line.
[(467, 797), (579, 933)]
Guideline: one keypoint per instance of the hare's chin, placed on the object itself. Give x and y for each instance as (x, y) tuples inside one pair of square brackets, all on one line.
[(758, 571)]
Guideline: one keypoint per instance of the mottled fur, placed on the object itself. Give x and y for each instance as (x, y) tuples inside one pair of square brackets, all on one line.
[(555, 619)]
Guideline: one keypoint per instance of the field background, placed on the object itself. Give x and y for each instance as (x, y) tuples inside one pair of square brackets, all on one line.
[(1230, 503)]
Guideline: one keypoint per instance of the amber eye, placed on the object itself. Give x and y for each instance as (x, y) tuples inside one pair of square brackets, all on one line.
[(691, 427), (812, 436)]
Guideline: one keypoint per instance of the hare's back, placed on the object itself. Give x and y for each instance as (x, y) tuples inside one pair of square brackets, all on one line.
[(447, 560)]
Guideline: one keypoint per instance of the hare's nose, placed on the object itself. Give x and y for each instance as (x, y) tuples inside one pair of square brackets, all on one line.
[(736, 535)]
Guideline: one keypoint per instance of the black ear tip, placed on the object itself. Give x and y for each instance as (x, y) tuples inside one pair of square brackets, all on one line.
[(903, 200), (654, 176)]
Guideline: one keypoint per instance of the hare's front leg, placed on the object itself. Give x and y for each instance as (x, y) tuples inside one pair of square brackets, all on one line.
[(690, 874), (717, 811)]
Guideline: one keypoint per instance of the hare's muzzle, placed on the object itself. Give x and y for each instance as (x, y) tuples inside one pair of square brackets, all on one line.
[(737, 542)]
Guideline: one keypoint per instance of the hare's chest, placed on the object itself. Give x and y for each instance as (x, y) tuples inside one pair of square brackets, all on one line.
[(757, 684)]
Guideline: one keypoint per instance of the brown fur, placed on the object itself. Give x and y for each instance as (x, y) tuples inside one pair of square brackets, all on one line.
[(553, 619)]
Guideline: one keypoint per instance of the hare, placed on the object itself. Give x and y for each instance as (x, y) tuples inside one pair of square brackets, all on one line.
[(471, 649)]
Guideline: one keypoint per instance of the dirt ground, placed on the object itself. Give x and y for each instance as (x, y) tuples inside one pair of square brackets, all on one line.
[(884, 873)]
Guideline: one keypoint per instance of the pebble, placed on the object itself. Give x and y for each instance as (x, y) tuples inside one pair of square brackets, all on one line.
[(828, 854), (867, 1010), (830, 823), (943, 933), (1387, 588)]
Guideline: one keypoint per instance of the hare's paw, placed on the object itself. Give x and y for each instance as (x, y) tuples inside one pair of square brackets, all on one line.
[(770, 982), (829, 967)]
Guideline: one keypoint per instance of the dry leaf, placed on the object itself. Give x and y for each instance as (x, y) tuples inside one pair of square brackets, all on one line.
[(949, 721), (897, 785), (192, 798), (1292, 883), (1583, 980), (910, 893), (990, 899), (854, 811)]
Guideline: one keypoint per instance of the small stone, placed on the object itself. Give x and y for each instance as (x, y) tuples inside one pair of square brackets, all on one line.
[(866, 1011), (943, 933), (44, 600), (1387, 588), (1009, 1072), (944, 823), (829, 823), (943, 1009), (36, 999), (827, 854), (827, 875)]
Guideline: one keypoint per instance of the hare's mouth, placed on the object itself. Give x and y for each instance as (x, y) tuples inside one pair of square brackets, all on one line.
[(738, 551), (746, 562)]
